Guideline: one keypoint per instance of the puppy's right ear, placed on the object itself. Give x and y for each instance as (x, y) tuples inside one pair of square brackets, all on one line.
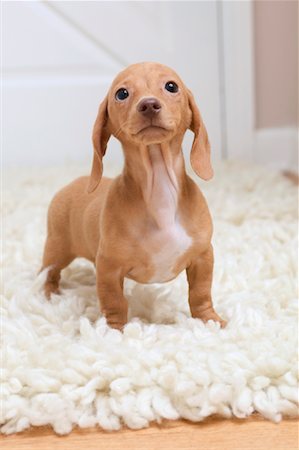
[(100, 138)]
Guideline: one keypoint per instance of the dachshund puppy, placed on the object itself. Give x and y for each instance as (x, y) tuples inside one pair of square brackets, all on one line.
[(151, 222)]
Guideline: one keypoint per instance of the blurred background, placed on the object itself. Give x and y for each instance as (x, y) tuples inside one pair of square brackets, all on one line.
[(239, 58)]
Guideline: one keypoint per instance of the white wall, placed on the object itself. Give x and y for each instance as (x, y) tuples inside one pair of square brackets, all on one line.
[(60, 58)]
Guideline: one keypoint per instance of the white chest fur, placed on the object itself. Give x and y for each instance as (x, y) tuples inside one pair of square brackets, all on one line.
[(167, 240), (167, 246)]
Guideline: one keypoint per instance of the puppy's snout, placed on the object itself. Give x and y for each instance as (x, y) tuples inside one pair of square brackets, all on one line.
[(149, 107)]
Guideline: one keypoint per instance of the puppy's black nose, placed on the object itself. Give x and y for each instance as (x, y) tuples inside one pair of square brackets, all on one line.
[(149, 107)]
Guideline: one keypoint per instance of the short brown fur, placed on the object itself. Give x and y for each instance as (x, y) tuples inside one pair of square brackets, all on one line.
[(131, 226)]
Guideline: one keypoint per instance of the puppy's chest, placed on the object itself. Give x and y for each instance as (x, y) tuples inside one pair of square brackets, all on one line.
[(165, 241), (162, 250), (165, 248)]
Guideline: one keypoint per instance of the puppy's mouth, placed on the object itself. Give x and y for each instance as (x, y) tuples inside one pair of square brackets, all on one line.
[(151, 128)]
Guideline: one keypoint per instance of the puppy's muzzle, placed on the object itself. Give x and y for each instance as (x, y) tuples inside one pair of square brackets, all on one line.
[(149, 107)]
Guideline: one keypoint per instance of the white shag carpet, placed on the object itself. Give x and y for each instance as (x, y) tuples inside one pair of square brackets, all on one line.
[(63, 366)]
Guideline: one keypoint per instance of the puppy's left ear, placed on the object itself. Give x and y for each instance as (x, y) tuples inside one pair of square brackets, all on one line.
[(100, 138), (200, 152)]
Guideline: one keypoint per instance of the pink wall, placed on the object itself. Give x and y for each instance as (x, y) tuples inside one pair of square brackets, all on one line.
[(276, 62)]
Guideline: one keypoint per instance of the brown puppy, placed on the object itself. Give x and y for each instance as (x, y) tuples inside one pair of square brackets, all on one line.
[(152, 221)]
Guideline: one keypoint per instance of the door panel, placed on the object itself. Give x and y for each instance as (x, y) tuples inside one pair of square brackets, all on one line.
[(36, 39), (59, 59)]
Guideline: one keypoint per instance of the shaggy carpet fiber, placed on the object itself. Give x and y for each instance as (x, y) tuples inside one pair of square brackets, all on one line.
[(63, 366)]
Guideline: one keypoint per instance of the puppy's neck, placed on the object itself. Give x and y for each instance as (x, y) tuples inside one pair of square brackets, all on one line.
[(158, 171)]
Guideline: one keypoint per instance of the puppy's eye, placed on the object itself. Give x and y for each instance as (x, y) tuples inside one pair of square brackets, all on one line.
[(171, 86), (121, 94)]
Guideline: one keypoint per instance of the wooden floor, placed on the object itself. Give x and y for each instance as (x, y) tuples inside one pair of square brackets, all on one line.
[(213, 434)]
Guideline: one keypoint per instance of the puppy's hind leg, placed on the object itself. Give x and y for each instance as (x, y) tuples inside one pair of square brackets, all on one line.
[(56, 257)]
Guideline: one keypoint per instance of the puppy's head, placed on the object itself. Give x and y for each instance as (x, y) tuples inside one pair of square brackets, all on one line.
[(149, 104)]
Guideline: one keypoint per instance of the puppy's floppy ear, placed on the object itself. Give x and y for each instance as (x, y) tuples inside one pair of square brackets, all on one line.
[(100, 138), (200, 152)]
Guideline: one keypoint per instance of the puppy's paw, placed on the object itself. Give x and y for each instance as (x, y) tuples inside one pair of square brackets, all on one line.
[(116, 325), (51, 288), (218, 319), (223, 323), (212, 315)]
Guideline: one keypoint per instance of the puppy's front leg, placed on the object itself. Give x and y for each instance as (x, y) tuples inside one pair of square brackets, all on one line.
[(199, 275), (114, 306)]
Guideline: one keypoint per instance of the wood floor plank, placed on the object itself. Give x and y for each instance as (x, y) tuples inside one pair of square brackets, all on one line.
[(213, 434)]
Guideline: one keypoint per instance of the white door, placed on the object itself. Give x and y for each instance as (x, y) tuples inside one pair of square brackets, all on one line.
[(59, 59)]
